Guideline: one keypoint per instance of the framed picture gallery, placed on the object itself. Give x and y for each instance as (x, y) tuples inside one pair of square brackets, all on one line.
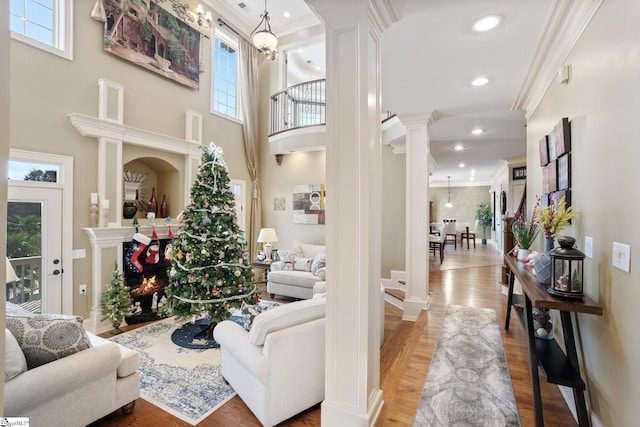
[(555, 160)]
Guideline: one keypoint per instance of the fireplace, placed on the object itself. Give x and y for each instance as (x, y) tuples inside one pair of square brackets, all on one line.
[(146, 287)]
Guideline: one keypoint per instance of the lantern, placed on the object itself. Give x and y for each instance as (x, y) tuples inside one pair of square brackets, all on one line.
[(567, 268)]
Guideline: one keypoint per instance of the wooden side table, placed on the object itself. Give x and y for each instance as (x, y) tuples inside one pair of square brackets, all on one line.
[(557, 366), (263, 265)]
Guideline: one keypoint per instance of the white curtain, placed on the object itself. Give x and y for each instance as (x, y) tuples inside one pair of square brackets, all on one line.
[(249, 64)]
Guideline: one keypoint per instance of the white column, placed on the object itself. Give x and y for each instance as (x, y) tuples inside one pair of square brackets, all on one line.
[(417, 214), (352, 389)]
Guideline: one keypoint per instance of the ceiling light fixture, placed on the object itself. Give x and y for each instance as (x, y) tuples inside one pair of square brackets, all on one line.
[(477, 131), (287, 14), (449, 204), (487, 23), (460, 165), (263, 38), (459, 147), (480, 81)]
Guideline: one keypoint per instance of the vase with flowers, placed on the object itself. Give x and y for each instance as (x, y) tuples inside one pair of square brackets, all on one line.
[(525, 233), (552, 219)]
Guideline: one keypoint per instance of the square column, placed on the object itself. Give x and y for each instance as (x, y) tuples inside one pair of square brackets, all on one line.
[(352, 389)]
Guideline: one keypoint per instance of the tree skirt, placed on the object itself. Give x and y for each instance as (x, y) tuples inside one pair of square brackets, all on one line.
[(194, 335), (185, 382), (468, 382)]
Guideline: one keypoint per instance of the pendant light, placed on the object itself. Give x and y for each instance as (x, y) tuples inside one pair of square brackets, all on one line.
[(263, 38), (449, 204)]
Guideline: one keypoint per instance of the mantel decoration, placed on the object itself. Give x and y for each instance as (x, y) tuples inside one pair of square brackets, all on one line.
[(153, 38), (552, 218)]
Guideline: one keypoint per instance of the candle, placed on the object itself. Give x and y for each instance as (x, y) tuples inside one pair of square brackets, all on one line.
[(94, 198), (105, 204)]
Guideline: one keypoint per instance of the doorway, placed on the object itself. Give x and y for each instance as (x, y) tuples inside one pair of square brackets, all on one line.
[(37, 200)]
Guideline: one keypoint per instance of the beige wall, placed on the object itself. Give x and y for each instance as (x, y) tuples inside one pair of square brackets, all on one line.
[(394, 189), (46, 88), (602, 103), (465, 200)]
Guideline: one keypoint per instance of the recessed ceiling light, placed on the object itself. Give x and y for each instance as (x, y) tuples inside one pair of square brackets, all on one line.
[(472, 172), (487, 23), (477, 131), (300, 50), (471, 178), (459, 147), (460, 165), (288, 15), (480, 81)]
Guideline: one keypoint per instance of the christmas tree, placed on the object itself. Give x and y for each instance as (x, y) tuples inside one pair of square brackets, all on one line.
[(210, 270), (116, 300)]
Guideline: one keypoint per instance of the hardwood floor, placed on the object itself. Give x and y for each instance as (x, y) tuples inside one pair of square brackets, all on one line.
[(466, 277)]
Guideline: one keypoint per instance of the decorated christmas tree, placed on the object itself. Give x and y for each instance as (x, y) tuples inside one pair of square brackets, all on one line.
[(210, 270), (116, 300)]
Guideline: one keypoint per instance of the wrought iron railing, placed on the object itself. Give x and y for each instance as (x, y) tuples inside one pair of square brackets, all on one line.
[(27, 287), (298, 106)]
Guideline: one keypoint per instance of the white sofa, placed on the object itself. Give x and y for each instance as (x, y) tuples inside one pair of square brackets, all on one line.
[(277, 368), (77, 389), (308, 262)]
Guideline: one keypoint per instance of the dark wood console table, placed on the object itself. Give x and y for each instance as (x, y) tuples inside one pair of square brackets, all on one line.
[(557, 367)]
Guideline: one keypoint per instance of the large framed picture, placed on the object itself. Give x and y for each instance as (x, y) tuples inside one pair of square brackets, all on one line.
[(151, 37)]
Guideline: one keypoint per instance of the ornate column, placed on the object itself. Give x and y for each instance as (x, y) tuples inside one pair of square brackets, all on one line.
[(352, 387), (417, 214)]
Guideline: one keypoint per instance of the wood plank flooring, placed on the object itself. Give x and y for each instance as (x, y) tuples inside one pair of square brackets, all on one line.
[(466, 277)]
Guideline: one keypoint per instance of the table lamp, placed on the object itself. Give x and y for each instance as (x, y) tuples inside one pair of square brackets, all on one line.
[(267, 236)]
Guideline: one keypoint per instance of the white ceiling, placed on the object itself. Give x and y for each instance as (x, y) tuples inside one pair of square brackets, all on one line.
[(429, 57)]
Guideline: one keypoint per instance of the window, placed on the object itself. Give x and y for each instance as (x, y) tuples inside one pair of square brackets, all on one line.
[(225, 76), (44, 24), (31, 171)]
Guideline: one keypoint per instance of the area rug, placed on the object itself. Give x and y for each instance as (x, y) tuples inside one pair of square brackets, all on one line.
[(468, 382), (185, 382)]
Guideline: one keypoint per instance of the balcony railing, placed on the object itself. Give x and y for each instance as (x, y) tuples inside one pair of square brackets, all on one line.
[(298, 106), (26, 290)]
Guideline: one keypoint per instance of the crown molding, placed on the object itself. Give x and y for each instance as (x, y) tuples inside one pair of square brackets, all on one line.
[(563, 27)]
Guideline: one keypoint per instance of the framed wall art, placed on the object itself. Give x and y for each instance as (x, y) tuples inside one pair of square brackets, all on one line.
[(564, 172), (151, 37), (562, 137), (544, 151), (519, 172), (308, 204)]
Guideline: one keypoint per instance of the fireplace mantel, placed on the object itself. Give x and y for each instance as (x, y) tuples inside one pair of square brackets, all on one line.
[(104, 240)]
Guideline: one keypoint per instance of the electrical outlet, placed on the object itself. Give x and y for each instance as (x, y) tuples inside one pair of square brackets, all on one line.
[(83, 289)]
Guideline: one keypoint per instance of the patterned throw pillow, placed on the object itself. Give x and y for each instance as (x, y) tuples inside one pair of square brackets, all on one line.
[(319, 261), (44, 338), (249, 313)]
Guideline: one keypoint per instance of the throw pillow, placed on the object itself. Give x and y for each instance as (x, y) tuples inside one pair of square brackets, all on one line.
[(44, 338), (302, 264), (14, 361), (319, 261), (249, 313)]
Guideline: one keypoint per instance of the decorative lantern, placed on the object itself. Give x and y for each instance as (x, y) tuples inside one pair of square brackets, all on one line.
[(567, 268)]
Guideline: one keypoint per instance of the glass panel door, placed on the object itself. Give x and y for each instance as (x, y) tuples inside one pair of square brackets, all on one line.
[(34, 233)]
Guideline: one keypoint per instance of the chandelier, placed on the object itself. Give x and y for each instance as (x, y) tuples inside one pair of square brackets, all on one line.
[(263, 38), (449, 204)]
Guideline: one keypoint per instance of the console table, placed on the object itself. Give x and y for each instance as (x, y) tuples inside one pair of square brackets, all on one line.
[(263, 265), (557, 366)]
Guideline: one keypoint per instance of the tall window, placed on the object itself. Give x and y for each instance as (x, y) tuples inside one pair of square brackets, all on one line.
[(225, 76), (45, 24)]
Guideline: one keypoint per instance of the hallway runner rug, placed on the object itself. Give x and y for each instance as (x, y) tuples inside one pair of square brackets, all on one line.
[(187, 383), (468, 381)]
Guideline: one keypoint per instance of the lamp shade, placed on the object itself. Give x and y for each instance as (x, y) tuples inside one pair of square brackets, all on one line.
[(267, 235), (265, 41), (10, 273)]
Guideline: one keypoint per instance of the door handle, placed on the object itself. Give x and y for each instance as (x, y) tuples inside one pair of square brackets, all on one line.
[(56, 272)]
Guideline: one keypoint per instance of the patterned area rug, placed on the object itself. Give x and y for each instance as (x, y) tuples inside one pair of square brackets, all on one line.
[(468, 383), (184, 382)]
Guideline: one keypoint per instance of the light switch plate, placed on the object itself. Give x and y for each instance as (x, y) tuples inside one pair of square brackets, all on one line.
[(621, 256), (588, 246), (79, 253)]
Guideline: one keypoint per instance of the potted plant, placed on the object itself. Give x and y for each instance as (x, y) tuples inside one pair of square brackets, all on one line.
[(116, 301), (525, 233), (484, 217)]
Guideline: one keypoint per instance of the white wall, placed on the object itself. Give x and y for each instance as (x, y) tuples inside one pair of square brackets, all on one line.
[(602, 103)]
